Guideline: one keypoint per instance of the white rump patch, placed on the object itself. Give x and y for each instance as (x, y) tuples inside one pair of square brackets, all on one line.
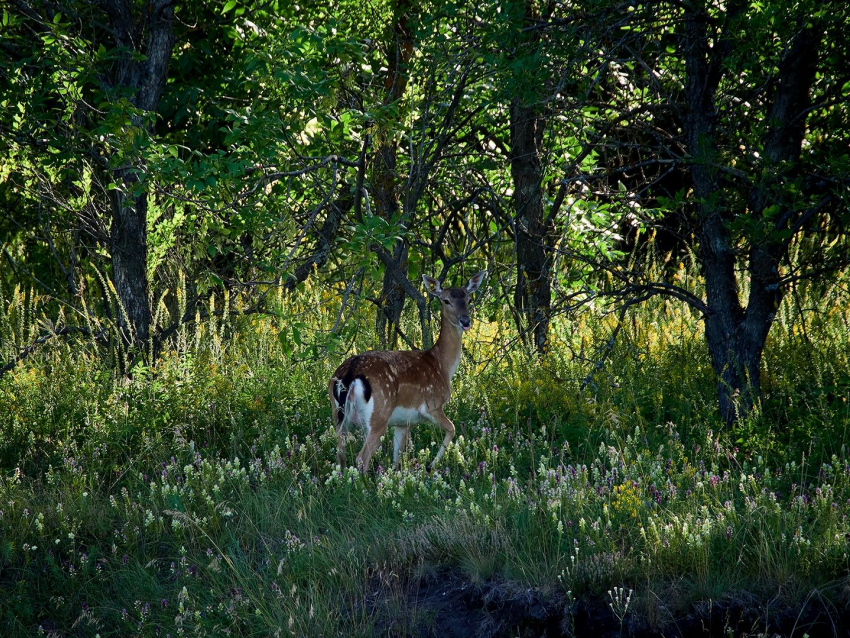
[(358, 411)]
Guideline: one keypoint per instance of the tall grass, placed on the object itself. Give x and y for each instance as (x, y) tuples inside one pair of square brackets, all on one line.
[(201, 495)]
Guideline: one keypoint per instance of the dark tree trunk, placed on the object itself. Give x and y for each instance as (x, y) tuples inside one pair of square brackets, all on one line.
[(736, 335), (385, 177), (149, 34), (534, 233), (128, 243), (392, 298), (386, 205), (533, 294)]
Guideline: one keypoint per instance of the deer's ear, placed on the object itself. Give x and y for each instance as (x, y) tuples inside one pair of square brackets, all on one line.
[(432, 285), (475, 282)]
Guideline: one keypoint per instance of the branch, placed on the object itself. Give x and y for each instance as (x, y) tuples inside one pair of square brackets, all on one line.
[(276, 176), (404, 282), (606, 349), (345, 297), (824, 269)]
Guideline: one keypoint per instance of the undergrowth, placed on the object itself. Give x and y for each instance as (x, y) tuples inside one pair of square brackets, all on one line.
[(201, 495)]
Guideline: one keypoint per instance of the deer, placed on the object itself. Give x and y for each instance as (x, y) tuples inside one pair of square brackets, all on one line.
[(382, 388)]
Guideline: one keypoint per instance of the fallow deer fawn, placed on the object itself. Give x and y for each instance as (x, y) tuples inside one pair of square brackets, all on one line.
[(380, 388)]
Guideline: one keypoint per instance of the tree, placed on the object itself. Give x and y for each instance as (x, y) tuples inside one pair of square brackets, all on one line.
[(385, 176), (129, 79), (119, 174), (533, 229), (144, 43), (723, 130)]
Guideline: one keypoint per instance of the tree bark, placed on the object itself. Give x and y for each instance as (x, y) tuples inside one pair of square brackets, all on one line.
[(128, 244), (533, 293), (150, 34)]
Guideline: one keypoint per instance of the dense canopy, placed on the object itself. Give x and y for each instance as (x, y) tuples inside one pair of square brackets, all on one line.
[(158, 156)]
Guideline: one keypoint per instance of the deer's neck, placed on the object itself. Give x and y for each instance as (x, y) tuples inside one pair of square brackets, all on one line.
[(447, 348)]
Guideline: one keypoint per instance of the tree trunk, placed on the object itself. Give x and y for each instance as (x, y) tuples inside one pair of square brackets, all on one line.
[(392, 297), (385, 177), (128, 242), (386, 205), (736, 335), (151, 35), (534, 234)]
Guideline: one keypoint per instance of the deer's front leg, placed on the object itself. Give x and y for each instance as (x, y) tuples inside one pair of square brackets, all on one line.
[(401, 439), (448, 427)]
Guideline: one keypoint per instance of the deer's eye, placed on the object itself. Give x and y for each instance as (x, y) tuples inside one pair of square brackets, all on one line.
[(446, 301)]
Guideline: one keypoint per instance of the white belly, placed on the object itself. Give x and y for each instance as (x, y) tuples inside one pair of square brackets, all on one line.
[(408, 416)]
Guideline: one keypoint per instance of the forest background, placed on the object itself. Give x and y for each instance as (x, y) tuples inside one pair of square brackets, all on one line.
[(205, 207)]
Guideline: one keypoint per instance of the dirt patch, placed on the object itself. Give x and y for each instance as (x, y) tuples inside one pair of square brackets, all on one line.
[(449, 605)]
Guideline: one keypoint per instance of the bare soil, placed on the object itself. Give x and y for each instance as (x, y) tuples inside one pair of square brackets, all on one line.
[(447, 604)]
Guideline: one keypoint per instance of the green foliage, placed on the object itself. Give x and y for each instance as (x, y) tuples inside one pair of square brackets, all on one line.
[(200, 492)]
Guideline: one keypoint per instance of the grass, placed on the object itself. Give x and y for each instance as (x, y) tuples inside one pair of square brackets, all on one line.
[(201, 496)]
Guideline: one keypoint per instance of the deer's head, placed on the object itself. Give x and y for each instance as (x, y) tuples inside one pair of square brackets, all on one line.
[(455, 301)]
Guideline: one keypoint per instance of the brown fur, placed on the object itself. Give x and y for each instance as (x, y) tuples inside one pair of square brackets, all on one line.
[(414, 380)]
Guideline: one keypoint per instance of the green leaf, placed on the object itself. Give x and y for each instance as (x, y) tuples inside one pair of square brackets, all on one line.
[(284, 343), (227, 7)]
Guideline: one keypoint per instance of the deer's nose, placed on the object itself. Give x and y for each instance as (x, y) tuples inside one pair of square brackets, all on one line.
[(465, 322)]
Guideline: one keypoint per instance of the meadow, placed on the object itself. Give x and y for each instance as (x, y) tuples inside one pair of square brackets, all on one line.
[(200, 496)]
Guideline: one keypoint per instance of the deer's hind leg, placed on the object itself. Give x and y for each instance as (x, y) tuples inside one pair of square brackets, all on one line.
[(376, 426), (338, 415)]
